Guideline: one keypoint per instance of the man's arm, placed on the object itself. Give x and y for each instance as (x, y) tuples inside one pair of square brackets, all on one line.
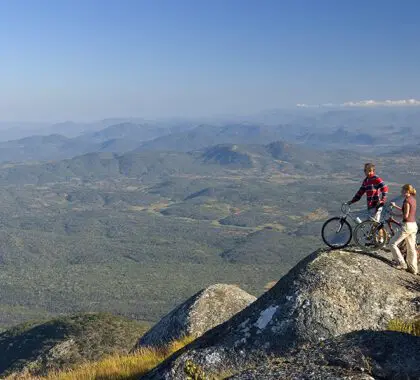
[(359, 193), (383, 189)]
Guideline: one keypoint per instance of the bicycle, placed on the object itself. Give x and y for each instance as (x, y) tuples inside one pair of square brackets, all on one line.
[(373, 235), (337, 232)]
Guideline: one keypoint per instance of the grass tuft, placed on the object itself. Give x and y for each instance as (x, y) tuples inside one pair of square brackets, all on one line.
[(409, 327), (115, 367)]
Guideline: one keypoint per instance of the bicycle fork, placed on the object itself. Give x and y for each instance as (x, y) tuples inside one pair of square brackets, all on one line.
[(340, 226)]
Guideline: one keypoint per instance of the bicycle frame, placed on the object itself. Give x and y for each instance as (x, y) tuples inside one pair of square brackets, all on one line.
[(346, 212), (388, 222), (371, 234)]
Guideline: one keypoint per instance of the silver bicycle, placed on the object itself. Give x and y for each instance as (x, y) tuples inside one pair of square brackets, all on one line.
[(337, 232)]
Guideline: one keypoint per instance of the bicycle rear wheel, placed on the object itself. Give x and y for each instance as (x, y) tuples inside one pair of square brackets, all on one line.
[(368, 235), (336, 232)]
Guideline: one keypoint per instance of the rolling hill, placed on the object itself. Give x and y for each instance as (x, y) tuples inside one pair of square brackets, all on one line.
[(40, 347)]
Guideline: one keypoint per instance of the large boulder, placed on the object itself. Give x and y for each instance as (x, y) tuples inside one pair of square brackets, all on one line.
[(200, 313), (328, 294)]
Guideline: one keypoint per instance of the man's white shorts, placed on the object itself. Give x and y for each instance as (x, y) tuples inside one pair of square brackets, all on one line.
[(375, 214)]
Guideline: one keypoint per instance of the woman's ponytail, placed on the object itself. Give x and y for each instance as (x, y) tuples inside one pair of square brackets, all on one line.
[(409, 188)]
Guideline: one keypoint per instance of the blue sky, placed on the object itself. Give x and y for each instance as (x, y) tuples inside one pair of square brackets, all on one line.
[(90, 59)]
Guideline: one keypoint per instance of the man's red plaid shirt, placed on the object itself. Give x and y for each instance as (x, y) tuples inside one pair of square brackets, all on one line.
[(375, 189)]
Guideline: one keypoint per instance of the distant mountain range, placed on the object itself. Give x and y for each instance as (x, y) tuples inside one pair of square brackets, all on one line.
[(278, 155), (208, 135), (360, 130), (119, 138), (71, 129)]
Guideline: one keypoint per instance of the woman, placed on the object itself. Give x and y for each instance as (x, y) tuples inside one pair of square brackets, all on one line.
[(408, 231)]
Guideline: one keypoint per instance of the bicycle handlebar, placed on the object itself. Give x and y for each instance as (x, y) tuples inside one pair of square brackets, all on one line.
[(345, 207)]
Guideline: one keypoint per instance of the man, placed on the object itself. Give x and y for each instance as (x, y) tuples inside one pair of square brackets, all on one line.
[(376, 192)]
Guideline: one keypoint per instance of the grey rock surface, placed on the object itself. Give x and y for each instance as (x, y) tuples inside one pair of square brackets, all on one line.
[(328, 294), (358, 355), (200, 313)]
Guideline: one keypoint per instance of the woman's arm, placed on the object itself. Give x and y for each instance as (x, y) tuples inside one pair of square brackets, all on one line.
[(393, 204), (406, 210)]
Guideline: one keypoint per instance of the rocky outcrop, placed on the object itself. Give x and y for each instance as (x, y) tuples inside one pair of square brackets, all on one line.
[(203, 311), (328, 294)]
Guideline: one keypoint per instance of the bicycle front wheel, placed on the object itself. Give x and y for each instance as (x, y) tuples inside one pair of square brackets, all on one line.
[(369, 236), (336, 232)]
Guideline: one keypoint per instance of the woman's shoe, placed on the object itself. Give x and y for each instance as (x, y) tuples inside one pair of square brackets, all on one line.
[(399, 266), (411, 270)]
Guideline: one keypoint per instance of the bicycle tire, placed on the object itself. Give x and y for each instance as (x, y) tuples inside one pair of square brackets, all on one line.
[(363, 236), (344, 224)]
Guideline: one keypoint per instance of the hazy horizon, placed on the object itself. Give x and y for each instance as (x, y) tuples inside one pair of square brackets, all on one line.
[(359, 105)]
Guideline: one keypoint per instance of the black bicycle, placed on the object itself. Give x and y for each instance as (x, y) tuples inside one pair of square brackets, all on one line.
[(373, 235), (337, 232)]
